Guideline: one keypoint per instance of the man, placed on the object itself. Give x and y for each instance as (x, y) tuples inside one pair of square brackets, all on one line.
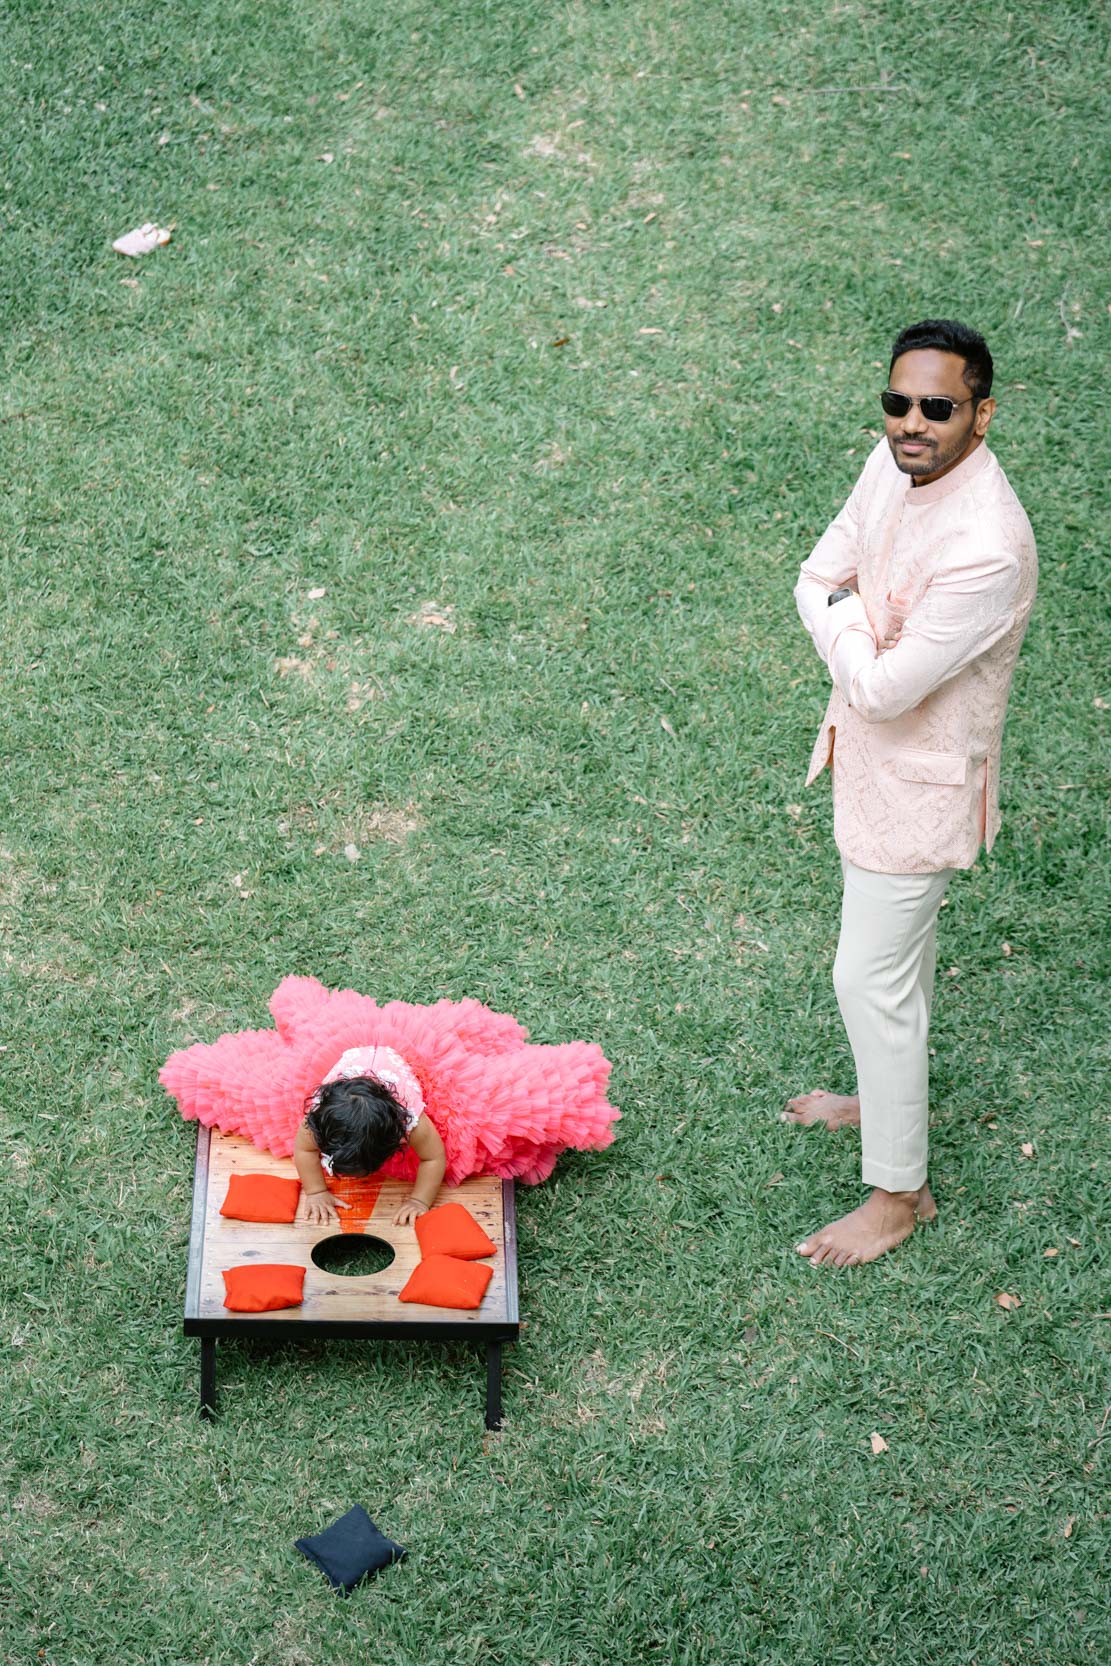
[(917, 598)]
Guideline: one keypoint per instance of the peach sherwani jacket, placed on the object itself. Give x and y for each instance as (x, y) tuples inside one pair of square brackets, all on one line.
[(921, 659)]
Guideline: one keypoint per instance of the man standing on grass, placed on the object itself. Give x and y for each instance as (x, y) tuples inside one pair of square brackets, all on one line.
[(917, 598)]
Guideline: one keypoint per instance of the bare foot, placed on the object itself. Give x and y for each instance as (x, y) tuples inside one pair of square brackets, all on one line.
[(870, 1231), (836, 1110), (925, 1209)]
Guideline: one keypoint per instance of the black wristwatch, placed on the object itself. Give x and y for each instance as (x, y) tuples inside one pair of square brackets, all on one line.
[(838, 595)]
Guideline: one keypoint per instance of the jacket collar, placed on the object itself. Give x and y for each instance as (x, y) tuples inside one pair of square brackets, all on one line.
[(951, 482)]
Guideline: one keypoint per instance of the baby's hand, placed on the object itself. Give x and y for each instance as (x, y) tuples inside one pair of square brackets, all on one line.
[(410, 1210), (321, 1208)]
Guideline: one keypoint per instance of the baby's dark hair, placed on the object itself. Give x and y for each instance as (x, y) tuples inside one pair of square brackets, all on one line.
[(358, 1123)]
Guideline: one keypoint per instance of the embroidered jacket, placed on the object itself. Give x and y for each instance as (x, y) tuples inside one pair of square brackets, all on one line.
[(921, 658)]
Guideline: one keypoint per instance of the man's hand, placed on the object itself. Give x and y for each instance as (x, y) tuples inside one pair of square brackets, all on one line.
[(322, 1209), (895, 611)]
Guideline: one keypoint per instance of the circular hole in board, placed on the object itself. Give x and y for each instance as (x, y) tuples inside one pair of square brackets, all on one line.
[(353, 1255)]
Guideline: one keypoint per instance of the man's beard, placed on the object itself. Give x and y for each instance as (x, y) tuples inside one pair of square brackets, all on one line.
[(933, 458)]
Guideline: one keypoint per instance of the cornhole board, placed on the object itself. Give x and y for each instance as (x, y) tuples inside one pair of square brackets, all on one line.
[(337, 1305)]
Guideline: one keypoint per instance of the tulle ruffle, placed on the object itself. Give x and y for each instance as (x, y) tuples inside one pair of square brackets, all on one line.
[(502, 1105)]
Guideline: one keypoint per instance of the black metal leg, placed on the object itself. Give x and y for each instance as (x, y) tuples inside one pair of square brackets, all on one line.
[(493, 1385), (208, 1377)]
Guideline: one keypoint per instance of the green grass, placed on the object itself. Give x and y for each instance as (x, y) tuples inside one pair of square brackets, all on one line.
[(582, 804)]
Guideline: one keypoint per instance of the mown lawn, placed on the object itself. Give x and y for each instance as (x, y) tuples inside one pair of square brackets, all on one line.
[(438, 492)]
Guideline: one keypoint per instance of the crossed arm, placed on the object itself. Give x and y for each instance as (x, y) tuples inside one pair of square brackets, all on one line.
[(966, 608)]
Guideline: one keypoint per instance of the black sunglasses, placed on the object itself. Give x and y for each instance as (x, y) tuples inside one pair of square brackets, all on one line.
[(934, 407)]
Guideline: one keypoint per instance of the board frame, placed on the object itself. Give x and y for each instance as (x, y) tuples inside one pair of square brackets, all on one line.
[(211, 1328)]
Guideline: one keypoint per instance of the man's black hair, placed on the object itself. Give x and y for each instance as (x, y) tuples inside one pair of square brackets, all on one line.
[(950, 337), (358, 1123)]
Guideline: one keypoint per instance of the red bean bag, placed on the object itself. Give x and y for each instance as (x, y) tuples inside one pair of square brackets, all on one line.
[(444, 1281), (453, 1230), (261, 1197), (262, 1287)]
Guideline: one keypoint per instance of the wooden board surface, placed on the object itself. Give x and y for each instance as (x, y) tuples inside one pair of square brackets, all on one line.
[(217, 1243)]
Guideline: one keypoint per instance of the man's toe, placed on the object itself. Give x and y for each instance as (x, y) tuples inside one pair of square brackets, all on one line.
[(801, 1101)]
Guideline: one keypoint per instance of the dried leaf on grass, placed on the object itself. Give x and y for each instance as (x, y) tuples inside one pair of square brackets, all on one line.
[(142, 240), (290, 666), (431, 616), (1007, 1299)]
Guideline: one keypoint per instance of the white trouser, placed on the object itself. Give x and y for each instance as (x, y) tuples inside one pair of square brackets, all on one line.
[(884, 976)]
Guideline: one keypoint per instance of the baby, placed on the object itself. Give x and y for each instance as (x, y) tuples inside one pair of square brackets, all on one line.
[(368, 1107), (466, 1079)]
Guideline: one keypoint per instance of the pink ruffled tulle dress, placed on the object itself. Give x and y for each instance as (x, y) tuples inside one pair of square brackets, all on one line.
[(502, 1106)]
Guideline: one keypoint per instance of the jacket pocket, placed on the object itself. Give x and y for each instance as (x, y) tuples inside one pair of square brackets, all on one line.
[(936, 769)]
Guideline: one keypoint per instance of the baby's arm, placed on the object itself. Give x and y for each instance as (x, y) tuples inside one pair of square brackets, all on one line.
[(429, 1147), (320, 1205)]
